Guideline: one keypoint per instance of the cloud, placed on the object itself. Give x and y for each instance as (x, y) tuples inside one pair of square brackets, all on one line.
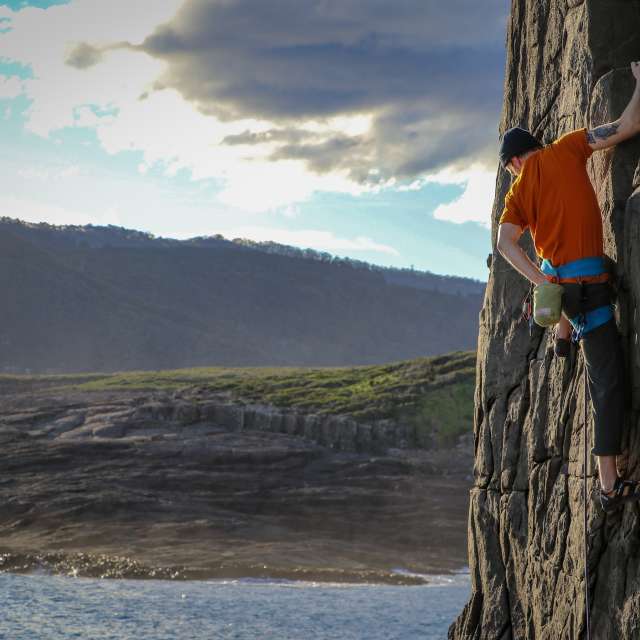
[(33, 210), (83, 56), (475, 203), (50, 173), (44, 39), (290, 136), (429, 73), (274, 101), (10, 87)]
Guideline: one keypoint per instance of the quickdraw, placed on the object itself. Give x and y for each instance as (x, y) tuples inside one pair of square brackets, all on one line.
[(527, 309)]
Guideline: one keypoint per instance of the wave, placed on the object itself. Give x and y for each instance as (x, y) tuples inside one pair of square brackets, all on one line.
[(92, 565)]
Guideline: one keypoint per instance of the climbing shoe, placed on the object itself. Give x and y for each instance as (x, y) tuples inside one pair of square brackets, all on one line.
[(562, 347), (623, 491)]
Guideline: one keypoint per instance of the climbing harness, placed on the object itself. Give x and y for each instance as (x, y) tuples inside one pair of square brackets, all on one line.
[(582, 271), (578, 270), (590, 320), (584, 511)]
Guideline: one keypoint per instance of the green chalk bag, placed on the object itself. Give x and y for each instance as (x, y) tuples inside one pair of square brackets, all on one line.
[(547, 303)]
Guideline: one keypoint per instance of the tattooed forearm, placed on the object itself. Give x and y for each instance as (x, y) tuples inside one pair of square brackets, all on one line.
[(603, 132)]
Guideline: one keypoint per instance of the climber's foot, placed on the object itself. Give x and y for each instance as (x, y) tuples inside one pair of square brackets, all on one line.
[(623, 491)]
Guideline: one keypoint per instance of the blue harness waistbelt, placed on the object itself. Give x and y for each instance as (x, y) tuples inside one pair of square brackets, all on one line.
[(584, 267)]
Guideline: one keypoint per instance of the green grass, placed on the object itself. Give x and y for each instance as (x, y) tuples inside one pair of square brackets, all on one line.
[(436, 393), (444, 414)]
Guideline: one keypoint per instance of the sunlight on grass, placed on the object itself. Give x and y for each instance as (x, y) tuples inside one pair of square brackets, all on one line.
[(436, 393)]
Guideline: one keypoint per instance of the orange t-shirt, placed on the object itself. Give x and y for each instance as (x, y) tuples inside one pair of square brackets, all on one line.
[(553, 196)]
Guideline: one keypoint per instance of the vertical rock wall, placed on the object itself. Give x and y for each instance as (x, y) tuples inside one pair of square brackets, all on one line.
[(525, 519)]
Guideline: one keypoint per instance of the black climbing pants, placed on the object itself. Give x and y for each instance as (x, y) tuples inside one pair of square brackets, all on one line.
[(603, 356)]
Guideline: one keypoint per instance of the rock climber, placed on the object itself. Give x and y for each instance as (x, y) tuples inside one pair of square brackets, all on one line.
[(553, 197)]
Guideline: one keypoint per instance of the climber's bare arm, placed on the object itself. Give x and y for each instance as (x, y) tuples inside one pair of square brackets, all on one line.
[(508, 236), (626, 126)]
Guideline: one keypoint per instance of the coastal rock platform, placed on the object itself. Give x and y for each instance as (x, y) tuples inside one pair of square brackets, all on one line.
[(191, 485)]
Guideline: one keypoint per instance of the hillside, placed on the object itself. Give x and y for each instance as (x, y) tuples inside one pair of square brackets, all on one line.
[(122, 300), (91, 236)]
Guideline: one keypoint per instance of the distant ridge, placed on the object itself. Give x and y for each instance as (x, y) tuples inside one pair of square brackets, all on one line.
[(94, 236), (89, 298)]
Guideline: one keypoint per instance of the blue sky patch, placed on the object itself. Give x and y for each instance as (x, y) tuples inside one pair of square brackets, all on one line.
[(16, 5), (10, 68)]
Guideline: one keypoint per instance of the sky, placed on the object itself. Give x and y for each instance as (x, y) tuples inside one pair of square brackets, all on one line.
[(364, 128)]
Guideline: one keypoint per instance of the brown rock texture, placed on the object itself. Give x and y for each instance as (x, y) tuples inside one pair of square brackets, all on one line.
[(189, 484), (567, 67)]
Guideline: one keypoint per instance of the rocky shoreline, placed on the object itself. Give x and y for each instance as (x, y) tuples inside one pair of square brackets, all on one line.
[(188, 484)]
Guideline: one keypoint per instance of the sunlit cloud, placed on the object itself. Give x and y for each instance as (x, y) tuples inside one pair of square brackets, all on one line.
[(476, 201), (10, 87), (33, 210), (48, 174), (110, 67)]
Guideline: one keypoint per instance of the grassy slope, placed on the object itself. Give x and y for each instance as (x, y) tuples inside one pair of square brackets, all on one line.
[(435, 393)]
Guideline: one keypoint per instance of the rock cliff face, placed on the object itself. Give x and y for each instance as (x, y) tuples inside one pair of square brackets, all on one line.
[(567, 67)]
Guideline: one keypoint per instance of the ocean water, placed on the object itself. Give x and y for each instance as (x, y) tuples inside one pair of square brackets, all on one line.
[(40, 606)]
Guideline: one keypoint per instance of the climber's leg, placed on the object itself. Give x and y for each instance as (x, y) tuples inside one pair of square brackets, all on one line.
[(607, 472), (604, 361), (562, 344), (563, 328), (605, 374)]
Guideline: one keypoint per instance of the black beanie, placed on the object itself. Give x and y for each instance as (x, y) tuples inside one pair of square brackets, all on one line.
[(516, 142)]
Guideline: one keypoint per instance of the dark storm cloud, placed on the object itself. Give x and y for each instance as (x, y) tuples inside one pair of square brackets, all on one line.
[(338, 152), (430, 72), (289, 136), (83, 56)]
